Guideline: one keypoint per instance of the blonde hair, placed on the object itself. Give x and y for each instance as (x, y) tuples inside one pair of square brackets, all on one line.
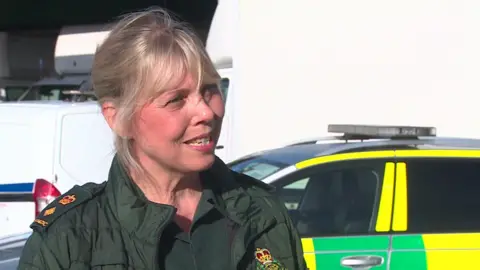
[(146, 53)]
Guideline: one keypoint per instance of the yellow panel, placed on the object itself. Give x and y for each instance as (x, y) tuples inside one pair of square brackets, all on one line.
[(309, 253), (307, 245), (386, 199), (346, 156), (452, 251), (452, 241), (400, 219), (453, 260)]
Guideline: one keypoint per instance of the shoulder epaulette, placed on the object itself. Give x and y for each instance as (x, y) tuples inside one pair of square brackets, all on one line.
[(67, 201), (244, 179)]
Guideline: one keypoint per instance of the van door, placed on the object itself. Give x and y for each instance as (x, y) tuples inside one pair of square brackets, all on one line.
[(85, 148), (224, 141)]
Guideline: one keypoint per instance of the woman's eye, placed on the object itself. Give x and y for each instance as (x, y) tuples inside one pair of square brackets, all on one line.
[(176, 99)]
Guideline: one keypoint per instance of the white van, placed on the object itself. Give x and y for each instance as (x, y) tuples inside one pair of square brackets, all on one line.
[(47, 147)]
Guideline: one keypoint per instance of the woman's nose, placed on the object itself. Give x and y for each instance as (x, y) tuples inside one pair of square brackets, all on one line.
[(203, 112)]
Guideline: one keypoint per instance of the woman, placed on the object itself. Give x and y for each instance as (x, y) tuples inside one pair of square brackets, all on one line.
[(168, 203)]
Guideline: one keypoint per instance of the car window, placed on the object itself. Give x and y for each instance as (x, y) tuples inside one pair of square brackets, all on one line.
[(334, 199), (443, 195), (257, 167)]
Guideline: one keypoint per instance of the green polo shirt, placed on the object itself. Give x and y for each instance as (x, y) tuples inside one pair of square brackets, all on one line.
[(204, 247)]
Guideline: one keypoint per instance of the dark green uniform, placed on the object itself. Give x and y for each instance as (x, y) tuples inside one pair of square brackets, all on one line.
[(239, 224)]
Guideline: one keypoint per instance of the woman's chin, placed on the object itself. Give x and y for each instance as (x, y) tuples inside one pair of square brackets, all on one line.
[(199, 164)]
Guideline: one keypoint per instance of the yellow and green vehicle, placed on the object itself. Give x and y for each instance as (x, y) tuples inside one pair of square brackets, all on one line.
[(379, 197)]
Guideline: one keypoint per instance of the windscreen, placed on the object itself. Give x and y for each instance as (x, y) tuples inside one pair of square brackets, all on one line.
[(48, 92), (257, 167)]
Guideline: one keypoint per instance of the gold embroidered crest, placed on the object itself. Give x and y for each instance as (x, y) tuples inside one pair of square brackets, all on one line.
[(265, 260)]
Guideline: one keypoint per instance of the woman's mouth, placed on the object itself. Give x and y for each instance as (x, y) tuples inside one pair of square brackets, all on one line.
[(203, 144), (200, 141)]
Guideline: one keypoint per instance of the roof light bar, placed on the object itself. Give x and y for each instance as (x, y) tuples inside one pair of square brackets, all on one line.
[(372, 132), (78, 92)]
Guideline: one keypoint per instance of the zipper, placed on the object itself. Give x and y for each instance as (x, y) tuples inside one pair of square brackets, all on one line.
[(192, 252), (170, 214)]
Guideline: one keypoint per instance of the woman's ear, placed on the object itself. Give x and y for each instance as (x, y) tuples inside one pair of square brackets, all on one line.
[(110, 113)]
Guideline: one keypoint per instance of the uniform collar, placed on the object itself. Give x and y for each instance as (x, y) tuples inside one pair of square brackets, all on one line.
[(146, 220), (139, 216)]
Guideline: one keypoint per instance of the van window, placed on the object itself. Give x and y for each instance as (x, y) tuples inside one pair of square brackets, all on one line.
[(224, 84), (14, 92), (443, 195)]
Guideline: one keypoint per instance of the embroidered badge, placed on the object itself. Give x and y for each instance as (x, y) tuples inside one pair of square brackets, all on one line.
[(67, 199), (49, 211), (41, 222), (265, 260)]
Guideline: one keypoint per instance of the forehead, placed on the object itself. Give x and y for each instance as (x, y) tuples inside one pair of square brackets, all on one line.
[(183, 80)]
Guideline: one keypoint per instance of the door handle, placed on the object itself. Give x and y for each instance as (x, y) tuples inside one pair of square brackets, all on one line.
[(219, 147), (361, 262)]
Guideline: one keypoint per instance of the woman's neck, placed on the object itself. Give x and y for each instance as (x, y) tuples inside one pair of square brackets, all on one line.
[(185, 197), (182, 191), (161, 186)]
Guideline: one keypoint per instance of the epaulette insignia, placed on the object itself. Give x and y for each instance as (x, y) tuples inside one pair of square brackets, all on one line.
[(49, 211), (68, 199), (72, 198), (42, 222)]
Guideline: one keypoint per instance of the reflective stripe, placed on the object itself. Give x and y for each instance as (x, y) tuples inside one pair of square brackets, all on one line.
[(386, 199), (464, 153), (343, 157), (400, 217), (309, 253)]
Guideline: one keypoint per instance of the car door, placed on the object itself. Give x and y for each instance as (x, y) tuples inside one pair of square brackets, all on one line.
[(436, 222), (342, 210)]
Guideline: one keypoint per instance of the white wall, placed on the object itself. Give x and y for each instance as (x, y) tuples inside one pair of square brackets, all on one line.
[(372, 62)]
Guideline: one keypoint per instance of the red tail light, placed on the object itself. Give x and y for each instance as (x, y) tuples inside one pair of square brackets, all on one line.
[(44, 193)]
